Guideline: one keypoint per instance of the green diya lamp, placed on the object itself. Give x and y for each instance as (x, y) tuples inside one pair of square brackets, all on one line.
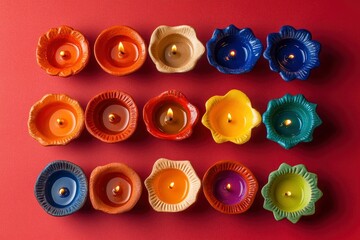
[(290, 120), (291, 192)]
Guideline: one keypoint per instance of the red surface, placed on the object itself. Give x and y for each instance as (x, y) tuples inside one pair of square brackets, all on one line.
[(333, 154)]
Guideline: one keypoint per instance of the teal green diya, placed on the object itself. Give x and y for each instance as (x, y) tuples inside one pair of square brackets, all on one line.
[(291, 192), (290, 120)]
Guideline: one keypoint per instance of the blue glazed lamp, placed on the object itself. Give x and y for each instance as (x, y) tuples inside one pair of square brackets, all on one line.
[(292, 53), (290, 120), (61, 188), (232, 50)]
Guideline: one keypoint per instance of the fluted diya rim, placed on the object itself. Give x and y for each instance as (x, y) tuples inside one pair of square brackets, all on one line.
[(293, 216), (246, 37), (209, 181), (172, 96), (305, 110), (59, 101), (93, 111), (194, 185), (185, 31), (240, 97), (41, 189), (62, 34), (101, 53), (300, 37), (114, 169)]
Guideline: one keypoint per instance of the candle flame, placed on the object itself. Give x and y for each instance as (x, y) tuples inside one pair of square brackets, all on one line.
[(288, 194), (60, 121), (121, 48), (62, 191), (169, 115), (173, 49), (228, 186), (171, 185), (291, 56), (112, 117), (232, 53), (229, 118), (116, 190), (287, 122), (62, 53)]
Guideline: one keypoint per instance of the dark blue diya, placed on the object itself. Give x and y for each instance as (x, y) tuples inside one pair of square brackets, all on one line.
[(61, 188), (290, 120), (292, 53), (233, 50)]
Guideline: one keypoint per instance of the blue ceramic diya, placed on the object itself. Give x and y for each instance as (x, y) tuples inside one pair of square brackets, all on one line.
[(233, 50), (292, 53), (290, 120), (61, 188)]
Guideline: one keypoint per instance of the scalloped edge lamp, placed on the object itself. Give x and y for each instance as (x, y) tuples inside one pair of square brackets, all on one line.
[(309, 188)]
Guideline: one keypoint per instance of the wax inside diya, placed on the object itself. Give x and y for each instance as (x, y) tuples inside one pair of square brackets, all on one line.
[(62, 51), (114, 188), (111, 116), (55, 120)]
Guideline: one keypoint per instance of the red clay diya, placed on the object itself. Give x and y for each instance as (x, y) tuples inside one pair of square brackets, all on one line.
[(114, 188), (62, 51), (170, 116), (55, 120), (120, 50), (230, 187), (111, 116)]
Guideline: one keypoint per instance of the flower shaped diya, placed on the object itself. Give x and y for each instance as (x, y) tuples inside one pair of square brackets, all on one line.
[(111, 116), (175, 49), (62, 51), (230, 187), (230, 117), (173, 186), (114, 188), (55, 120), (292, 53), (233, 50), (120, 50), (290, 120), (61, 188), (170, 116), (291, 192)]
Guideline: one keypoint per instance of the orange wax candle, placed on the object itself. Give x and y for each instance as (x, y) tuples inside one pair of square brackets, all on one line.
[(170, 118), (120, 50), (171, 186)]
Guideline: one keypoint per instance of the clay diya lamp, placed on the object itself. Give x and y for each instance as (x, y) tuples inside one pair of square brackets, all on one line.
[(61, 188), (170, 116), (111, 116), (230, 117), (56, 119), (120, 50), (175, 49), (292, 53), (290, 120), (114, 188), (173, 186), (233, 50), (62, 51), (230, 187), (291, 192)]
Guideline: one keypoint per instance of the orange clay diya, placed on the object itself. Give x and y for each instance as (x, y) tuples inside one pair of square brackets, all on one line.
[(173, 186), (170, 116), (111, 116), (62, 51), (120, 50), (55, 120), (114, 188)]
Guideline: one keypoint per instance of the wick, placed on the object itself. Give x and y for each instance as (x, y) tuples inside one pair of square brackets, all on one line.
[(63, 54), (291, 56), (174, 49), (288, 194), (121, 49), (113, 118), (232, 53), (116, 190), (60, 121), (169, 115), (228, 186), (287, 122), (229, 118), (63, 192), (172, 184)]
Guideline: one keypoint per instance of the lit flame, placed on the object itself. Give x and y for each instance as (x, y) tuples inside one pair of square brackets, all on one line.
[(121, 48), (288, 194), (287, 122), (291, 56), (171, 185), (169, 115), (62, 191), (232, 53), (228, 186), (112, 117), (116, 190), (229, 118), (62, 53), (173, 49), (60, 121)]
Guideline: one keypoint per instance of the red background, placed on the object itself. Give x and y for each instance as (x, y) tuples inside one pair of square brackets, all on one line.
[(333, 154)]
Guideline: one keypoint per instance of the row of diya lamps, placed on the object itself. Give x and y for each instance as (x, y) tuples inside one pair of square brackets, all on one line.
[(112, 116), (173, 186), (120, 50)]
